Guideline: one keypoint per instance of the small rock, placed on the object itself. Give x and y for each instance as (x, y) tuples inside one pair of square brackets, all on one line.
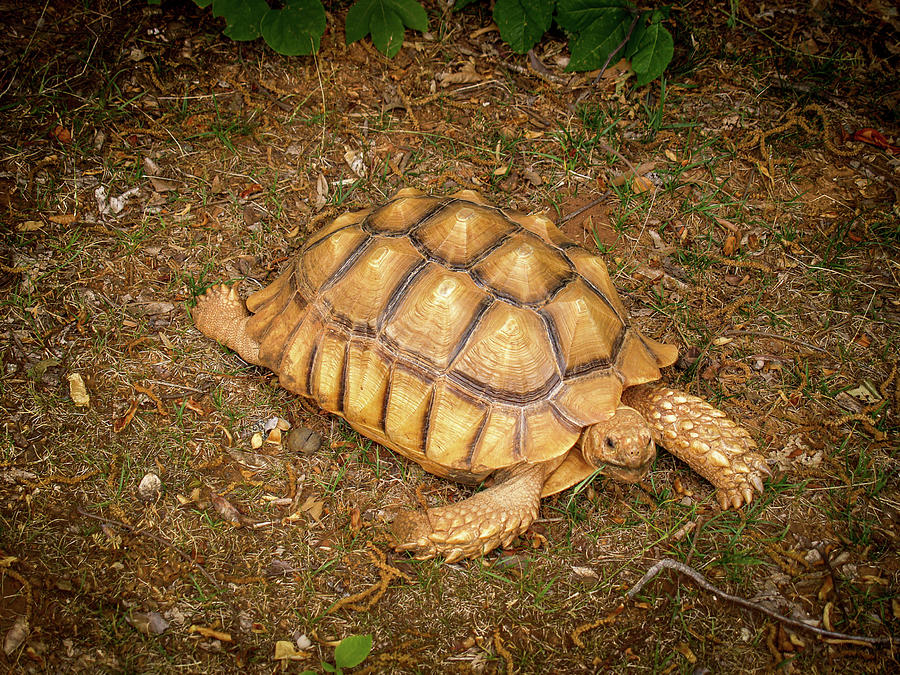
[(149, 487), (303, 441)]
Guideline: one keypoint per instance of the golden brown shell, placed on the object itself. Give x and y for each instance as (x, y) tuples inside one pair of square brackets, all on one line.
[(466, 337)]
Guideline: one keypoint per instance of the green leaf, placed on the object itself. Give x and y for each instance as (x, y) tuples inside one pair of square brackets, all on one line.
[(387, 32), (242, 17), (352, 650), (576, 16), (460, 5), (296, 29), (653, 53), (591, 47), (522, 22), (328, 668), (203, 4), (385, 21)]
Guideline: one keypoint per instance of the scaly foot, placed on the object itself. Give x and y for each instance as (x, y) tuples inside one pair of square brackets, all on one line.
[(221, 314), (704, 437), (472, 527)]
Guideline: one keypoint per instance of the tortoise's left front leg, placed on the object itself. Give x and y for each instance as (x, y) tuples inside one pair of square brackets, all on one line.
[(704, 437)]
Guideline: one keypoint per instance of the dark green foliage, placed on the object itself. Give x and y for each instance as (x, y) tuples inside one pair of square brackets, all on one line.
[(600, 31)]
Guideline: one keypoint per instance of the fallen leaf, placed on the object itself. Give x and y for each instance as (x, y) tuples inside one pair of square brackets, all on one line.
[(29, 226), (466, 75), (313, 507), (61, 134), (286, 651), (210, 633), (684, 649), (148, 623), (251, 189), (355, 519), (16, 635), (227, 510), (63, 218)]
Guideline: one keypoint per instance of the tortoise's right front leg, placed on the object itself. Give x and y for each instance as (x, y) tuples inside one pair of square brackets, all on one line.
[(221, 314), (479, 524)]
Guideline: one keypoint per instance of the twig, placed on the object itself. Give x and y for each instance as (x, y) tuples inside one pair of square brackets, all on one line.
[(155, 538), (782, 338), (700, 580), (591, 204)]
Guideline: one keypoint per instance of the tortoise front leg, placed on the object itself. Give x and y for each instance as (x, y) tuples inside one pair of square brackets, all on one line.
[(479, 524), (704, 437), (222, 315)]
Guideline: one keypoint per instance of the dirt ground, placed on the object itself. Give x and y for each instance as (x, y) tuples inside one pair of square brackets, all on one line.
[(149, 520)]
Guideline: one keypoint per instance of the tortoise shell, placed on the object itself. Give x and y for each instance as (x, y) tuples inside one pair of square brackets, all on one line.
[(465, 337)]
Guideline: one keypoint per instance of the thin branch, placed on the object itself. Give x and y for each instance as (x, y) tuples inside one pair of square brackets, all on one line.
[(700, 580), (609, 58)]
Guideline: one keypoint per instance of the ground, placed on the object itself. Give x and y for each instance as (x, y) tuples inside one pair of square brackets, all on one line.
[(146, 157)]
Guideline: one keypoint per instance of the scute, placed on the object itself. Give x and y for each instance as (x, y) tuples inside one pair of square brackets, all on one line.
[(587, 329), (434, 314), (320, 261), (400, 215), (359, 298), (524, 269), (453, 424), (461, 232), (508, 356)]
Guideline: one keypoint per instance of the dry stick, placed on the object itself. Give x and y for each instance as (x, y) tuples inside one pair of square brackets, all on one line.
[(155, 538), (700, 580), (591, 204)]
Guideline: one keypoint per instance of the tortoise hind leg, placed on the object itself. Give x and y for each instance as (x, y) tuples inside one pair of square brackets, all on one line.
[(704, 437), (476, 525), (221, 314)]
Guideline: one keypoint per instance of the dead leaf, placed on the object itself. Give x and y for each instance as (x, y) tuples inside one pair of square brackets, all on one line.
[(730, 246), (826, 588), (210, 633), (227, 510), (63, 218), (16, 635), (29, 226), (685, 650), (163, 184), (61, 134), (148, 623), (313, 507), (355, 519), (251, 189), (356, 161), (120, 424), (467, 75), (286, 651)]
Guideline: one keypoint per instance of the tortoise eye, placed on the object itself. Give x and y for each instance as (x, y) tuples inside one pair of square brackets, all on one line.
[(610, 443)]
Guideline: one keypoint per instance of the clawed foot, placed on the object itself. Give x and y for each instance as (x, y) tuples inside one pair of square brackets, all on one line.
[(221, 314), (455, 532)]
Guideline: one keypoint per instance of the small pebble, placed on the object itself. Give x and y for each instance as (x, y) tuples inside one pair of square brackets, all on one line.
[(149, 487), (303, 441)]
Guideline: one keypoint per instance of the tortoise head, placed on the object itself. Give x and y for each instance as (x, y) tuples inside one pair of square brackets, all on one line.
[(620, 446)]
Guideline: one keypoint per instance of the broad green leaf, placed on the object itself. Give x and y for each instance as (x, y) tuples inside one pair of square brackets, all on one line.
[(522, 22), (352, 650), (385, 21), (242, 17), (203, 4), (592, 47), (387, 32), (296, 29), (358, 19), (653, 53), (576, 16), (412, 13), (462, 4)]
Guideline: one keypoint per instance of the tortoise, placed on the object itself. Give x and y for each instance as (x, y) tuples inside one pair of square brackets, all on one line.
[(478, 342)]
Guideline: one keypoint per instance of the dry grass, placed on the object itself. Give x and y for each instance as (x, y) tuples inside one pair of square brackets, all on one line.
[(774, 268)]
